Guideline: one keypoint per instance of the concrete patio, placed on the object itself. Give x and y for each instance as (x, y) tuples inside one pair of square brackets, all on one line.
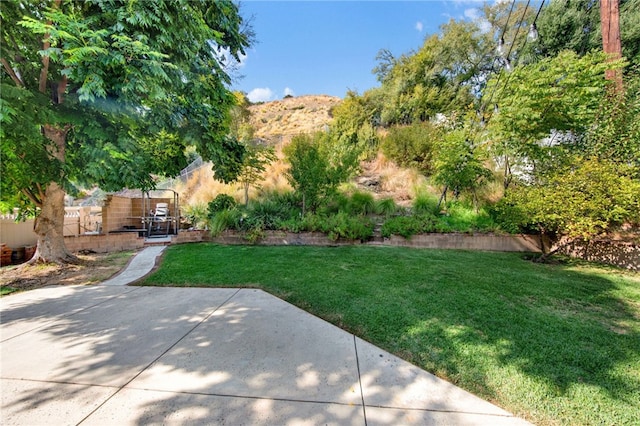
[(147, 355)]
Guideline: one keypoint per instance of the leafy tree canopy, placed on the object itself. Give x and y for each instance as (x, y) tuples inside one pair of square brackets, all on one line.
[(575, 25), (109, 93)]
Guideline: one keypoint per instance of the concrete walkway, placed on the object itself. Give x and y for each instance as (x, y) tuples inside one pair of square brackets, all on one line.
[(110, 354)]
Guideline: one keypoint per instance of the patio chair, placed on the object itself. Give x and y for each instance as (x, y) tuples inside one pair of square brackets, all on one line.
[(160, 219)]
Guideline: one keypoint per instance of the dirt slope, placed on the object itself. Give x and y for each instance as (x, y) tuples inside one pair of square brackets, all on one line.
[(278, 121)]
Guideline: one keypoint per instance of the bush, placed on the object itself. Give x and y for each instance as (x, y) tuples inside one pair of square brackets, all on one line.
[(463, 217), (386, 207), (223, 220), (196, 215), (269, 214), (406, 226), (221, 202), (425, 204), (361, 203), (340, 225)]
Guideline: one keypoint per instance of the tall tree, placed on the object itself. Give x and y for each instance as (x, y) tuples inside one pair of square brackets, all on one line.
[(109, 92), (575, 25)]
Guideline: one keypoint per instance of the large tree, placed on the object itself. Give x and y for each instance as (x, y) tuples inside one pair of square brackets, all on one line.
[(109, 93)]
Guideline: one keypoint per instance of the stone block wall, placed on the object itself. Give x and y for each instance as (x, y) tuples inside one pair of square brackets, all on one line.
[(517, 243), (116, 213), (105, 243), (625, 254)]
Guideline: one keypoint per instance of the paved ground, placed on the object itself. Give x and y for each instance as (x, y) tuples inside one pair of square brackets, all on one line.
[(118, 355)]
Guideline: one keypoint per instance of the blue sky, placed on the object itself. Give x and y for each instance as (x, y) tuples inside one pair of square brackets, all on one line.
[(329, 47)]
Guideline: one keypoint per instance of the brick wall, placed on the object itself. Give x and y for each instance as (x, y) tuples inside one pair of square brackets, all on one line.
[(105, 243), (116, 213), (624, 254), (519, 243)]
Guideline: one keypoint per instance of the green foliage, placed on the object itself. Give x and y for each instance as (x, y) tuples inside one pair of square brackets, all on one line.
[(575, 25), (130, 84), (222, 220), (511, 216), (354, 121), (362, 203), (440, 78), (406, 226), (196, 214), (256, 159), (386, 207), (425, 204), (615, 133), (556, 94), (459, 165), (339, 226), (221, 202), (413, 146), (580, 201), (318, 166)]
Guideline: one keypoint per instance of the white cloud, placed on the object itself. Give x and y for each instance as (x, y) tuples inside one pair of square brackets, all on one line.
[(476, 16), (419, 26), (472, 13), (260, 94), (289, 92)]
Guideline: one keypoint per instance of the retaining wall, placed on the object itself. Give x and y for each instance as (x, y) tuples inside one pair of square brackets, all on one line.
[(104, 243), (625, 254), (521, 243)]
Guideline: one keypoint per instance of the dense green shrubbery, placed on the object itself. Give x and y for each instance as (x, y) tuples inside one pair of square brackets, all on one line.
[(339, 225), (406, 226), (221, 202), (349, 217), (386, 207), (425, 218)]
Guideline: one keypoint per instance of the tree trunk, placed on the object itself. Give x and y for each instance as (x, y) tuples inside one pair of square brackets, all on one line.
[(611, 43), (49, 225), (443, 196)]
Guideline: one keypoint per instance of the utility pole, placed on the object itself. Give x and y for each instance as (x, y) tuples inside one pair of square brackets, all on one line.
[(611, 44)]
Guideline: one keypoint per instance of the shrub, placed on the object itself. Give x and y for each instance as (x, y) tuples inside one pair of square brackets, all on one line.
[(223, 220), (221, 202), (406, 226), (425, 204), (268, 214), (196, 215), (463, 217), (361, 203), (340, 225), (386, 207)]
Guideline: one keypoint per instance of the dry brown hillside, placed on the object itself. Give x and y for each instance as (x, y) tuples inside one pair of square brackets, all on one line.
[(278, 121)]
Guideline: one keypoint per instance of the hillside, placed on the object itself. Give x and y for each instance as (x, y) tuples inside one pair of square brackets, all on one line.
[(278, 121)]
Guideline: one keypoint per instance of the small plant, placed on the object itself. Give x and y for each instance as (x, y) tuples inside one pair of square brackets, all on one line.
[(223, 220), (386, 207), (221, 202), (196, 215), (425, 204), (340, 225), (406, 226), (362, 203)]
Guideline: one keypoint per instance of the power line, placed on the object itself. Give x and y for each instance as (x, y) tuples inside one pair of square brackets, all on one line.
[(519, 25)]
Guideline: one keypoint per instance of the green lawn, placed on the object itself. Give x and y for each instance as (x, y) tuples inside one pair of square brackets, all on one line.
[(555, 344)]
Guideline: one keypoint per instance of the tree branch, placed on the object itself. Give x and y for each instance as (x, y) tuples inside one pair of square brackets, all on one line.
[(44, 72), (31, 196), (12, 73)]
